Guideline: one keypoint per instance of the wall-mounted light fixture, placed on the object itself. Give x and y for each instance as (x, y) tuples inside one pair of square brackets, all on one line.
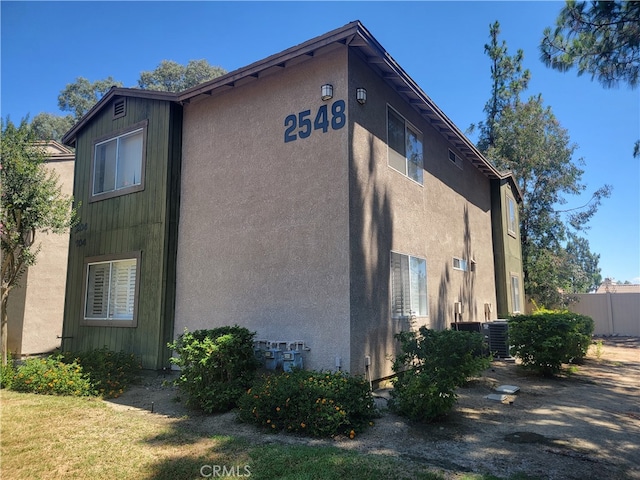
[(361, 95), (326, 92)]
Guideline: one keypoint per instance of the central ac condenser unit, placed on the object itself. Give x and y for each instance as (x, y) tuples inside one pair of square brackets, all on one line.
[(497, 335)]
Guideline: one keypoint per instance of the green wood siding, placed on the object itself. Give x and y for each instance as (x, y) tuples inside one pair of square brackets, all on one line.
[(507, 250), (143, 221)]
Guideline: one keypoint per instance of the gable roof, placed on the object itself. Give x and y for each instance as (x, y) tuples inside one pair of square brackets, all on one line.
[(70, 137), (54, 150), (355, 36), (511, 179)]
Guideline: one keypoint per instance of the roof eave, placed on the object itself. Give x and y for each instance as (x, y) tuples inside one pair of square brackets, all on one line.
[(353, 35), (281, 59)]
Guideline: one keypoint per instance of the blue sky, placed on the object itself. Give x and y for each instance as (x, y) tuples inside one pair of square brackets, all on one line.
[(46, 45)]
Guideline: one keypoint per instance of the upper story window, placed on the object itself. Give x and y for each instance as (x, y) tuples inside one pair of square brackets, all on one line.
[(118, 163), (512, 219), (405, 146), (408, 286)]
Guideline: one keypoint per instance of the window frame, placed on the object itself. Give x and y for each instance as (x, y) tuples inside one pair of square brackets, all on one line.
[(456, 160), (408, 126), (512, 227), (111, 259), (516, 297), (407, 276), (95, 197), (463, 265)]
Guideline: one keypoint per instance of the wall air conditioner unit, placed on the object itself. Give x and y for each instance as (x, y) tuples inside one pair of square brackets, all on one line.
[(497, 335)]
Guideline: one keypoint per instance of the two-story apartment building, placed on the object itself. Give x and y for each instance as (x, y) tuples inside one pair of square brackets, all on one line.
[(318, 197)]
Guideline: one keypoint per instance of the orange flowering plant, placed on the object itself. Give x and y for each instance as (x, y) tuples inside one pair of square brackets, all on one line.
[(312, 403)]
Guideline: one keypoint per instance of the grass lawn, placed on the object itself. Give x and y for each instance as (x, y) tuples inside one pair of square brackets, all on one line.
[(47, 437)]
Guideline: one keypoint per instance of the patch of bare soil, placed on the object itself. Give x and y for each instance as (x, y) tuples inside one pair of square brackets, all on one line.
[(584, 425)]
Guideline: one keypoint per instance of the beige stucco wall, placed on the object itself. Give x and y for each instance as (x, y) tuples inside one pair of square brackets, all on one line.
[(293, 240), (449, 215), (36, 307), (263, 232)]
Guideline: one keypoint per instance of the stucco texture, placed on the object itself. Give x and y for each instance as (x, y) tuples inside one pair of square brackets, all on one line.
[(448, 216), (263, 234), (35, 308)]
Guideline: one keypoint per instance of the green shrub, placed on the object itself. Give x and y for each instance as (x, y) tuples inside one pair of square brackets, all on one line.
[(109, 372), (51, 376), (217, 366), (429, 368), (7, 372), (544, 341), (318, 404)]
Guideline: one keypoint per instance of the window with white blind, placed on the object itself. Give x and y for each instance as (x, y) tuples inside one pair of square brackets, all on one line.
[(405, 147), (118, 163), (111, 291), (408, 286)]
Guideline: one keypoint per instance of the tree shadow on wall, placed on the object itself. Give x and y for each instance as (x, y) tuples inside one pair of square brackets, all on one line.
[(444, 310), (468, 288), (371, 237)]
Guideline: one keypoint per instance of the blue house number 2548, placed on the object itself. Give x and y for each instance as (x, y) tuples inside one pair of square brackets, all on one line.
[(301, 126)]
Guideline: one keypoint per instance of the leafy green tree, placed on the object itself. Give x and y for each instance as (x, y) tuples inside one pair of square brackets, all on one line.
[(32, 203), (527, 139), (532, 144), (601, 38), (47, 126), (78, 97), (582, 274), (170, 76)]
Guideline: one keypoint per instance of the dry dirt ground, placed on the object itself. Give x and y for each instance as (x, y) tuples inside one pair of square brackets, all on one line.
[(581, 426)]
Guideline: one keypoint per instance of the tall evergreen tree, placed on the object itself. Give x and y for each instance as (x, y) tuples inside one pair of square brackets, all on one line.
[(526, 138), (508, 80), (601, 38)]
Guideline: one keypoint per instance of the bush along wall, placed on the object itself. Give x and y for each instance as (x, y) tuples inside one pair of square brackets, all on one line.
[(311, 403), (545, 341), (98, 372), (430, 367), (216, 366)]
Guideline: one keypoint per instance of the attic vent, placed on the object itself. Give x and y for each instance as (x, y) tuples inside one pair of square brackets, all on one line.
[(455, 159), (119, 108)]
